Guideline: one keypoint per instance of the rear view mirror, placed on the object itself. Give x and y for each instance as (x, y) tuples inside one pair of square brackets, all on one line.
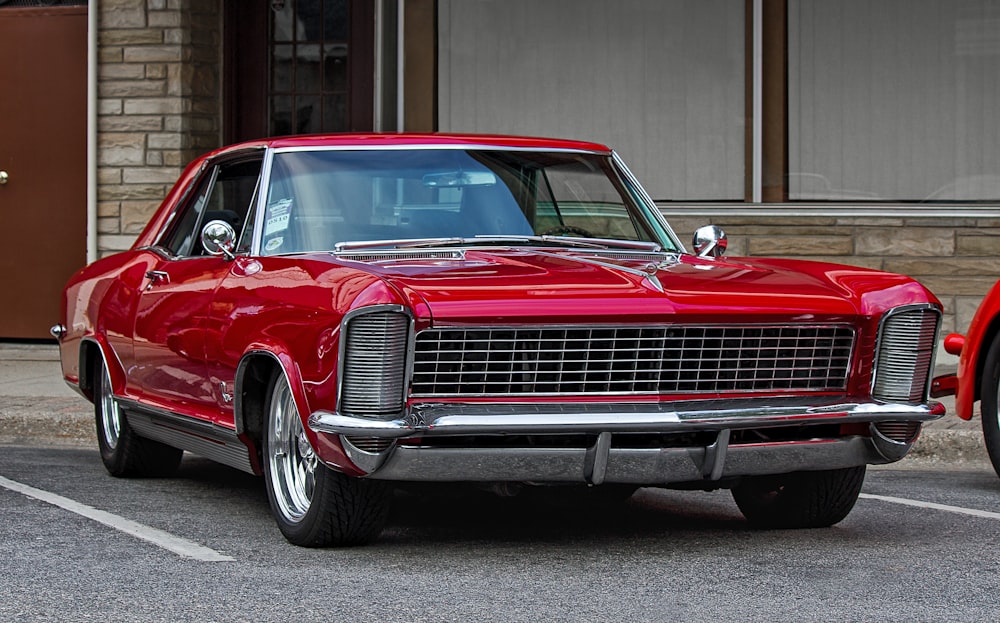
[(709, 241), (459, 179), (219, 238)]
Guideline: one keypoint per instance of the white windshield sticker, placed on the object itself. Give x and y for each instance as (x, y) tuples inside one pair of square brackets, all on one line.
[(278, 217)]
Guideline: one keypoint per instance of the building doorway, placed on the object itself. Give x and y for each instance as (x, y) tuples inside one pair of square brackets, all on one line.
[(298, 66), (43, 163)]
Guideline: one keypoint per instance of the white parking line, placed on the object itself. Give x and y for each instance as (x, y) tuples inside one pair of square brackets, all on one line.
[(932, 505), (165, 540)]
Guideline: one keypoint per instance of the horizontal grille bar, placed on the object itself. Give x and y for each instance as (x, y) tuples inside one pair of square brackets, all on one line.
[(486, 361)]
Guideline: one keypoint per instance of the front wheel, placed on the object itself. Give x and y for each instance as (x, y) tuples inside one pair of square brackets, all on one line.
[(313, 505), (801, 499), (990, 390), (123, 452)]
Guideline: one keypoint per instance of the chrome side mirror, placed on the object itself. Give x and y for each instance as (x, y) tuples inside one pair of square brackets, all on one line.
[(219, 238), (709, 241)]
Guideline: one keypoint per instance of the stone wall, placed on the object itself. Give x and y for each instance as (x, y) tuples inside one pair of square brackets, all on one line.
[(956, 258), (159, 105)]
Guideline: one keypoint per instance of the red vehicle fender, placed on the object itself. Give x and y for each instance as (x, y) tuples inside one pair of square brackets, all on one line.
[(329, 448), (982, 330), (116, 371)]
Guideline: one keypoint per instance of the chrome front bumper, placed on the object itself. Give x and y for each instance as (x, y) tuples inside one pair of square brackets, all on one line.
[(602, 462)]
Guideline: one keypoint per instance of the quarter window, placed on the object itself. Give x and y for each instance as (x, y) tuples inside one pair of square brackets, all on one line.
[(224, 192)]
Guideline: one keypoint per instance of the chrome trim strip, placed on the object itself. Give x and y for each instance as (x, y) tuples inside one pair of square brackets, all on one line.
[(653, 466), (204, 439), (719, 211), (433, 420)]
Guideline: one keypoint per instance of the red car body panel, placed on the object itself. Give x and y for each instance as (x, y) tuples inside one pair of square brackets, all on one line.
[(174, 332), (983, 328)]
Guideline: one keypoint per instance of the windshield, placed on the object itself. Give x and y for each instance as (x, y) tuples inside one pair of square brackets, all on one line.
[(319, 199)]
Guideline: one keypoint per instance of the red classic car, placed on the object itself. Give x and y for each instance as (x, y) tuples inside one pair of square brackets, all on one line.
[(342, 313), (978, 376)]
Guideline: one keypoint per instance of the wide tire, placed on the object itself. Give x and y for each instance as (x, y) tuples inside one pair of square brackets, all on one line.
[(123, 452), (989, 391), (313, 505), (801, 499)]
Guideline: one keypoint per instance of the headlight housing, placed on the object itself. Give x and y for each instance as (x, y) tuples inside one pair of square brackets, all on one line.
[(374, 355), (904, 355)]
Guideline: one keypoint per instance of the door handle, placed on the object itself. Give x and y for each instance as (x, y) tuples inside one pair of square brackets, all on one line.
[(157, 278), (3, 177)]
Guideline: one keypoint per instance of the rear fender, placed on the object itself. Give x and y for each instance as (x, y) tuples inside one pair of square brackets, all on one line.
[(91, 348)]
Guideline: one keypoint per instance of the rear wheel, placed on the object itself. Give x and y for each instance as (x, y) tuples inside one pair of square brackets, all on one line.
[(990, 390), (123, 452), (801, 499), (313, 505)]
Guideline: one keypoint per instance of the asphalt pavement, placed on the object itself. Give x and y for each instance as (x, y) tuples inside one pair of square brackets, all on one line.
[(37, 406)]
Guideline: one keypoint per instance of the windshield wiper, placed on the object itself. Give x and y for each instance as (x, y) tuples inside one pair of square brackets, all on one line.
[(563, 241)]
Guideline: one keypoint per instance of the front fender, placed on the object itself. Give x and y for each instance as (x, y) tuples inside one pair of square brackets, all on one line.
[(982, 330)]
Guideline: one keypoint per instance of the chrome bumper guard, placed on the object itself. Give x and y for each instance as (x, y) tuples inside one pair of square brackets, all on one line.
[(602, 463)]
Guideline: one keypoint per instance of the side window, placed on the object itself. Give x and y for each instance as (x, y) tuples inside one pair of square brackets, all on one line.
[(224, 193)]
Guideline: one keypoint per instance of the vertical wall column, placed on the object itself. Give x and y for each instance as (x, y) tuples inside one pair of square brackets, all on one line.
[(159, 105)]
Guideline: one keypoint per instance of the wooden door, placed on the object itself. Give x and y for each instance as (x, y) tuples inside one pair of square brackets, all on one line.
[(43, 154), (298, 67)]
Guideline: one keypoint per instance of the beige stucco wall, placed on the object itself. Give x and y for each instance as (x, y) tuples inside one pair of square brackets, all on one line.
[(159, 105)]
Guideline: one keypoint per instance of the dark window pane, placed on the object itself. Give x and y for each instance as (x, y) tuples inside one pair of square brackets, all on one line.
[(335, 68), (307, 77), (335, 21), (307, 114), (283, 23), (281, 69), (335, 113), (281, 115)]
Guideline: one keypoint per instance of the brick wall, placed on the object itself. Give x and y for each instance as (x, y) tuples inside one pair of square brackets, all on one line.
[(956, 258), (159, 105)]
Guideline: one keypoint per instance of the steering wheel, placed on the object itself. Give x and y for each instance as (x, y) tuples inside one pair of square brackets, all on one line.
[(563, 230)]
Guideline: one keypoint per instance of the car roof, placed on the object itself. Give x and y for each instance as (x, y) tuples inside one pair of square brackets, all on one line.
[(393, 140)]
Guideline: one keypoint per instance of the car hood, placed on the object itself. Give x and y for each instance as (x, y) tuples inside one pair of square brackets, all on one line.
[(543, 286)]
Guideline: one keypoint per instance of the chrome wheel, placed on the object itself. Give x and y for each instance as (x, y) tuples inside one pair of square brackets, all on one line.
[(110, 414), (292, 461)]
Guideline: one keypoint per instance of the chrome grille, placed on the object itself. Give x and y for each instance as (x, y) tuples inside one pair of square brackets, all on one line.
[(905, 355), (374, 357), (633, 360)]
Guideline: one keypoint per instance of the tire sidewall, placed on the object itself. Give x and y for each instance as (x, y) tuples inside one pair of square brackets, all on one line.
[(989, 403)]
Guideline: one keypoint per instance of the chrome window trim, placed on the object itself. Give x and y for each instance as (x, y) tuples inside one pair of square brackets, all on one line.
[(408, 350), (264, 187), (878, 345), (651, 210)]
